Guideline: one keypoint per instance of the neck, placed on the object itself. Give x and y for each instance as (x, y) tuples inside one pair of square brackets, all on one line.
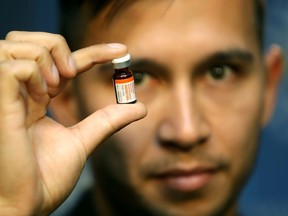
[(108, 204)]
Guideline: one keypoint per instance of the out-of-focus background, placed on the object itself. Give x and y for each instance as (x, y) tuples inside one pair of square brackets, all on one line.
[(267, 191)]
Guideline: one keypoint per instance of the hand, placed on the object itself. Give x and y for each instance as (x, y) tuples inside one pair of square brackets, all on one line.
[(41, 160)]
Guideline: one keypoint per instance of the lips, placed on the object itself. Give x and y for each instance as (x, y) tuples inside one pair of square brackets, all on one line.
[(186, 180)]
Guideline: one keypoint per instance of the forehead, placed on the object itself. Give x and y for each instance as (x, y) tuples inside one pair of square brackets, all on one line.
[(164, 19)]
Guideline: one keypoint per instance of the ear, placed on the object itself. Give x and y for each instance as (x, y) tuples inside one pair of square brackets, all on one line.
[(64, 108), (274, 62)]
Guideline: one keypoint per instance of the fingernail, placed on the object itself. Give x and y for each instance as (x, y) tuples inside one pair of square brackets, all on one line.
[(72, 64), (55, 73), (116, 45)]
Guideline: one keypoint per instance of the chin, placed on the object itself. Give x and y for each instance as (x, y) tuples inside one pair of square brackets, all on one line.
[(194, 205)]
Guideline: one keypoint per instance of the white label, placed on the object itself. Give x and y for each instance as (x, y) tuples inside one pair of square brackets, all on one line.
[(125, 91)]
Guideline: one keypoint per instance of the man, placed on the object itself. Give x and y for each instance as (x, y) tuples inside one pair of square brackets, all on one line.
[(200, 71)]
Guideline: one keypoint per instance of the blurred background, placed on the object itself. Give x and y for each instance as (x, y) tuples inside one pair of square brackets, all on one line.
[(267, 191)]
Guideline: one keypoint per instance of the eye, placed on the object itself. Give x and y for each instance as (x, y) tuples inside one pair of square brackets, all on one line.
[(217, 72), (220, 72), (143, 79), (138, 77)]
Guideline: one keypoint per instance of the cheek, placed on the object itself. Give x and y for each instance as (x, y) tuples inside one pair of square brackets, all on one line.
[(238, 139), (120, 159), (135, 142), (138, 143), (235, 119)]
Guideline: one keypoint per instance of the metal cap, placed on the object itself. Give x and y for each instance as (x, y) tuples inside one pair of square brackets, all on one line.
[(122, 62)]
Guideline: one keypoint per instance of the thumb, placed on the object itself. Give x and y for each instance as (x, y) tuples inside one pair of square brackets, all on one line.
[(104, 122)]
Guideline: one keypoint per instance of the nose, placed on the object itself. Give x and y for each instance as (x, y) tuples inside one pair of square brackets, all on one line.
[(183, 125)]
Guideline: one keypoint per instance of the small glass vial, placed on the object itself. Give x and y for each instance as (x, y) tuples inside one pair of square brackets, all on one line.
[(123, 80)]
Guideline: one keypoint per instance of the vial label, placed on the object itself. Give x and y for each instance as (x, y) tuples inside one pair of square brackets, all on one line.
[(125, 90)]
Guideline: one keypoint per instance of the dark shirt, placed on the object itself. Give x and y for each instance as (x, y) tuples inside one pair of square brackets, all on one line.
[(85, 206)]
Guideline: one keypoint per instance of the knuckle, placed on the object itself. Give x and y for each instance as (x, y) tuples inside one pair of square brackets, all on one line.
[(12, 34), (59, 38), (43, 55), (8, 68), (3, 45), (41, 50), (32, 65), (27, 65), (4, 50)]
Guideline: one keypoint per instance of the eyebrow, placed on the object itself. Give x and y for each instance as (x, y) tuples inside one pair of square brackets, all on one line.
[(136, 63), (231, 55), (244, 56), (147, 63), (241, 56)]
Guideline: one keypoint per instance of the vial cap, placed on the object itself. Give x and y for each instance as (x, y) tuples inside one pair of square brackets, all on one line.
[(122, 62)]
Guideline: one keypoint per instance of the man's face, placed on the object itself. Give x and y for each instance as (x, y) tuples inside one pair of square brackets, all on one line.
[(199, 71)]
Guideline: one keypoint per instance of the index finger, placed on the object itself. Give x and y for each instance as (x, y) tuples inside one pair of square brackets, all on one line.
[(87, 57)]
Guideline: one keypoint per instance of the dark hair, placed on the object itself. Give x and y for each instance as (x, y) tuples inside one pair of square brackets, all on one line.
[(75, 14), (260, 17)]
